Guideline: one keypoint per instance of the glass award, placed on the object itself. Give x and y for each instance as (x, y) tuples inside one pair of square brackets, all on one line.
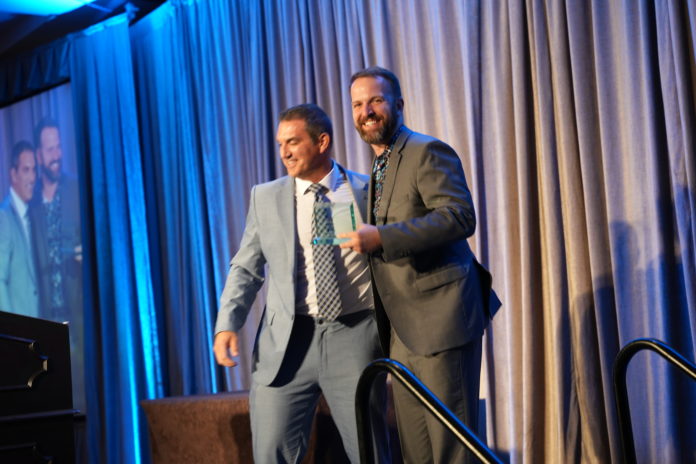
[(341, 216)]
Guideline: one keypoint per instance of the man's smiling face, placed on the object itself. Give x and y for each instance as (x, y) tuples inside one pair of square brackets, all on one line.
[(302, 156), (376, 112)]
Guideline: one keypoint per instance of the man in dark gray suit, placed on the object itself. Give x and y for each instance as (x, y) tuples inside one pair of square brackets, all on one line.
[(55, 220), (433, 299), (55, 214), (18, 287)]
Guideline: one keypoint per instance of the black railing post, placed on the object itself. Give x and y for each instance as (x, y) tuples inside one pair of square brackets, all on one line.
[(621, 389), (401, 374)]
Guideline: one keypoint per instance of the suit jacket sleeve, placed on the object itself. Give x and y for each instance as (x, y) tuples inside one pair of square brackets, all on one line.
[(245, 276), (438, 210)]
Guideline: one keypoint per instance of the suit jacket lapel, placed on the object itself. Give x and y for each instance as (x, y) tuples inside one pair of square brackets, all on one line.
[(390, 178), (370, 200), (360, 193), (285, 210), (281, 229)]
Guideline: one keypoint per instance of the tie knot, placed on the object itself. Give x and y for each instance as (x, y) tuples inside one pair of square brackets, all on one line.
[(317, 189)]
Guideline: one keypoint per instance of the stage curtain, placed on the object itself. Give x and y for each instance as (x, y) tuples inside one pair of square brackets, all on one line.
[(587, 116), (203, 149), (121, 349), (574, 123)]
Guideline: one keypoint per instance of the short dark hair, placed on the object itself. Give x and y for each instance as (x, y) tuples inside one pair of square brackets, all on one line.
[(316, 120), (19, 148), (43, 124), (376, 71)]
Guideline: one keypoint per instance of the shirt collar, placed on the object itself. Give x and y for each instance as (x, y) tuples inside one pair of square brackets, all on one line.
[(390, 146), (331, 181), (19, 204)]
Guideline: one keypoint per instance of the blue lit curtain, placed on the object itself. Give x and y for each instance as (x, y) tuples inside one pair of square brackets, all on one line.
[(122, 335), (194, 127)]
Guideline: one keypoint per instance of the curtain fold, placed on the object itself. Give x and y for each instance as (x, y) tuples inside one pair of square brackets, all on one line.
[(589, 127), (199, 166), (122, 352)]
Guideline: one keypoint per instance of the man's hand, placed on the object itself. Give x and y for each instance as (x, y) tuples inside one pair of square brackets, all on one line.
[(364, 240), (225, 344)]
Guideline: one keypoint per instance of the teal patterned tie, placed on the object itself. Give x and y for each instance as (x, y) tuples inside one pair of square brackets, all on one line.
[(328, 296)]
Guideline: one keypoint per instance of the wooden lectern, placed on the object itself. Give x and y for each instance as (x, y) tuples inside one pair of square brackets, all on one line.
[(36, 410)]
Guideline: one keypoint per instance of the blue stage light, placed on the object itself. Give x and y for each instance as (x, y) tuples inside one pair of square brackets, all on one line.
[(41, 7)]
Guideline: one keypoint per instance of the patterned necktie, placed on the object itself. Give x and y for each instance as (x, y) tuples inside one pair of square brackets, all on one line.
[(52, 211), (328, 296), (378, 171)]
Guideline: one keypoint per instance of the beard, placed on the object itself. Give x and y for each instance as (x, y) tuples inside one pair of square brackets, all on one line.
[(381, 136), (51, 173)]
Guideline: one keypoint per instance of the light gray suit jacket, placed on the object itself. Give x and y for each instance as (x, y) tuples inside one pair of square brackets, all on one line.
[(270, 238), (426, 280), (18, 289)]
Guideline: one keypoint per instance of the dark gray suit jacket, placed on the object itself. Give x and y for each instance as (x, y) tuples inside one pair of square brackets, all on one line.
[(70, 237), (426, 279)]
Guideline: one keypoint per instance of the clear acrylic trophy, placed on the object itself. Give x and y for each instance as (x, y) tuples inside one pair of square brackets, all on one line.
[(343, 220)]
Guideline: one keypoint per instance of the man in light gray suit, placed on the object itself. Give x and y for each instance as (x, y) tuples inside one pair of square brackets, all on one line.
[(18, 289), (433, 299), (301, 350)]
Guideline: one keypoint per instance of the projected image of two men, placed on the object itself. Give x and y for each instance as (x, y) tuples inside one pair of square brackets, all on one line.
[(40, 244)]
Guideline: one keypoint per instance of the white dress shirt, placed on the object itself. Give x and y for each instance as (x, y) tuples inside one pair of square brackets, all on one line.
[(21, 209), (352, 269)]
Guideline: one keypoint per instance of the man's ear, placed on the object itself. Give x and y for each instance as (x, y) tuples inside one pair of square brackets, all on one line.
[(324, 141), (400, 104)]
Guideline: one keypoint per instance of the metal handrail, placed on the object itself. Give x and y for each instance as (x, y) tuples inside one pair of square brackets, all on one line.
[(621, 390), (424, 396)]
